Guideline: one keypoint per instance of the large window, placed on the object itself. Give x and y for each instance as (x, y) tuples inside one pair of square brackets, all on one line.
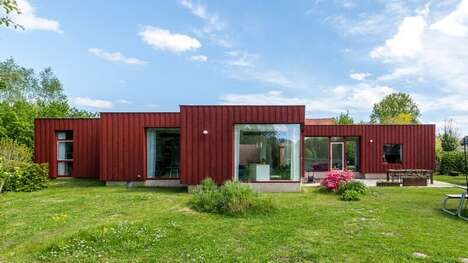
[(163, 153), (352, 153), (316, 154), (64, 153), (393, 153), (265, 152)]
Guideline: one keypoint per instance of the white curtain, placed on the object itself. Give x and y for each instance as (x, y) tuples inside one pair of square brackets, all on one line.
[(61, 153), (151, 152)]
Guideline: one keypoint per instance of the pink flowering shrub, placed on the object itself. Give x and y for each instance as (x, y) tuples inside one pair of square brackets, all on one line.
[(334, 178)]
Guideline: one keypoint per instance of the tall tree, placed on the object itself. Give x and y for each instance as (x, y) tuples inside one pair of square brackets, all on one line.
[(344, 118), (25, 95), (395, 108), (9, 7), (449, 137)]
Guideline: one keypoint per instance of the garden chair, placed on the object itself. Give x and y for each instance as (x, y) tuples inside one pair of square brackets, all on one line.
[(461, 205)]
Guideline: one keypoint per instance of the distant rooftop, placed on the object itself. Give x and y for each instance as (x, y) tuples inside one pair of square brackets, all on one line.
[(322, 121)]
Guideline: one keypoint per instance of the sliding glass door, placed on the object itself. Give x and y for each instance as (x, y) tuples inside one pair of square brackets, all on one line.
[(163, 153), (337, 155)]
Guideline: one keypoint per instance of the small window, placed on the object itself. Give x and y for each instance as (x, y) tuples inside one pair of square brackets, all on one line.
[(393, 153), (64, 153)]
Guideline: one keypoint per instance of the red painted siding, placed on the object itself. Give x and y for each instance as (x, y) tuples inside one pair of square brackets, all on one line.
[(85, 145), (123, 147), (212, 155), (418, 144)]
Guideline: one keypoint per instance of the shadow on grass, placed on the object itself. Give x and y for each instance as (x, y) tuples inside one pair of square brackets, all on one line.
[(75, 183), (154, 189)]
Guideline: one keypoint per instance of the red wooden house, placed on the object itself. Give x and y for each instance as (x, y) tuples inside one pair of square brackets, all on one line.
[(270, 147)]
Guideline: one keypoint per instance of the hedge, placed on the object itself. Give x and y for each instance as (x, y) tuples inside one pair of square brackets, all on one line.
[(23, 177), (452, 161)]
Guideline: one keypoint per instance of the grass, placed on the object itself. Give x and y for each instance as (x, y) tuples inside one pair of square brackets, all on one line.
[(459, 180), (83, 221)]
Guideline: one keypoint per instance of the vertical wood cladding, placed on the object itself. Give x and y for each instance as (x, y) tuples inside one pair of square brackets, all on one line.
[(113, 148), (85, 145), (418, 144), (123, 147), (212, 155)]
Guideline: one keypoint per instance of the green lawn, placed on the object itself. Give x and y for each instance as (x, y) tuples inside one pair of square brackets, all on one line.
[(82, 221), (459, 180)]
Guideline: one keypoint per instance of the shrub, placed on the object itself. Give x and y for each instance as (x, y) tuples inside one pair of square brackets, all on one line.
[(452, 161), (206, 197), (333, 179), (357, 186), (23, 177), (351, 195), (11, 151), (232, 198)]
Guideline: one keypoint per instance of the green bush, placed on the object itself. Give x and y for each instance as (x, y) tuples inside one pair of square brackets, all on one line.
[(352, 191), (11, 151), (351, 195), (452, 161), (23, 177), (357, 186), (232, 198)]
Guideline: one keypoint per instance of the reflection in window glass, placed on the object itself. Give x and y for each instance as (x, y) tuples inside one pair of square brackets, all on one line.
[(393, 153), (163, 153), (352, 153), (316, 154), (64, 168), (65, 151), (267, 152), (337, 155)]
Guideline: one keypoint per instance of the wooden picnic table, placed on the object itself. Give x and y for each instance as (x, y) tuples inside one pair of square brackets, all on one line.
[(402, 173)]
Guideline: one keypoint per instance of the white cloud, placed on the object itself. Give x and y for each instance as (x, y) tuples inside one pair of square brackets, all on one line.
[(213, 27), (454, 103), (407, 42), (115, 57), (30, 21), (270, 77), (213, 21), (359, 75), (359, 98), (456, 23), (399, 73), (241, 59), (340, 91), (364, 96), (199, 58), (124, 101), (433, 54), (163, 39), (377, 23), (459, 122), (93, 103)]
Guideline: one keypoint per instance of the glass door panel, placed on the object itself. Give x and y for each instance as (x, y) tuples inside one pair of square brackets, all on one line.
[(336, 161)]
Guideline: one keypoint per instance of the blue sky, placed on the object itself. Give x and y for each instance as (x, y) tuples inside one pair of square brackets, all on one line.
[(332, 56)]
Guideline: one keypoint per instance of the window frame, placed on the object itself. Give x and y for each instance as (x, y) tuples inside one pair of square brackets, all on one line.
[(295, 170), (147, 161), (67, 161), (400, 152)]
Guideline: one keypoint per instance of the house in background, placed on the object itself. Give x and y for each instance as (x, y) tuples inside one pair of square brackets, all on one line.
[(272, 148)]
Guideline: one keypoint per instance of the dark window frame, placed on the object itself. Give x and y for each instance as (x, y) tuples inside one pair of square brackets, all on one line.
[(161, 129), (68, 139), (392, 160)]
